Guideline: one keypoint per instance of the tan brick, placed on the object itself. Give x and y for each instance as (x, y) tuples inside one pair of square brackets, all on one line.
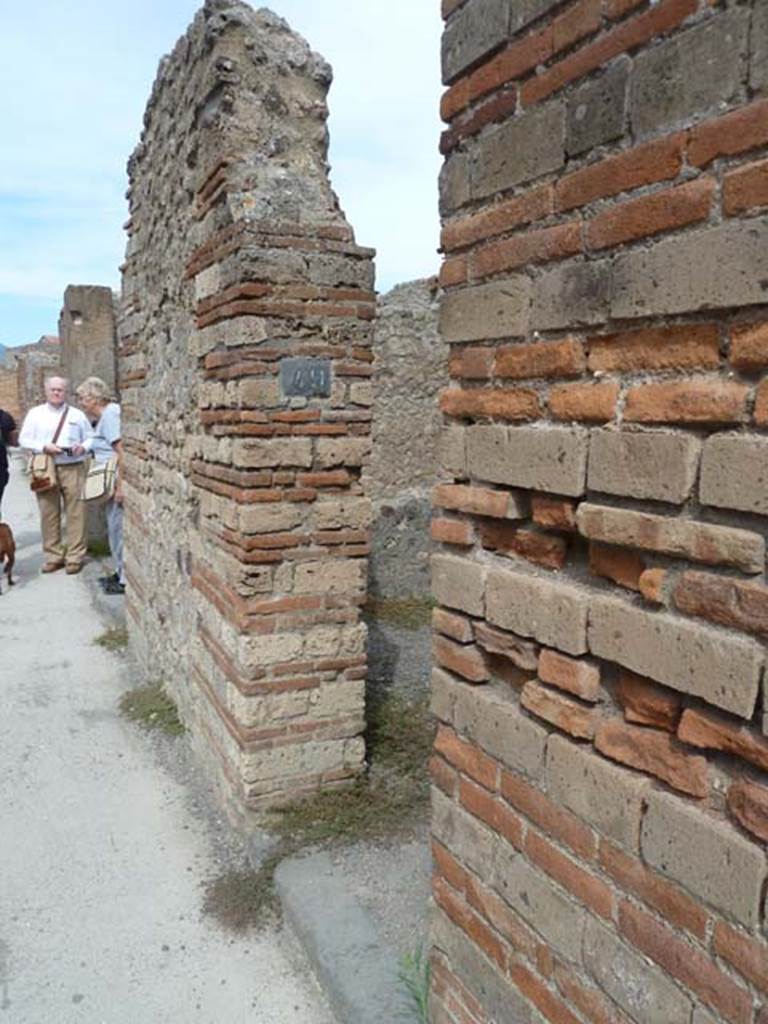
[(712, 268), (541, 359), (645, 992), (746, 188), (487, 717), (550, 611), (621, 565), (452, 457), (521, 653), (749, 957), (645, 703), (464, 660), (558, 710), (748, 804), (491, 403), (342, 451), (480, 501), (733, 473), (707, 857), (652, 214), (540, 548), (690, 347), (749, 347), (539, 902), (721, 669), (700, 542), (557, 513), (452, 625), (578, 676), (587, 403), (497, 310), (672, 903), (474, 362), (695, 401), (338, 576), (654, 752), (720, 599), (653, 464), (537, 458), (458, 583), (761, 404), (713, 731), (452, 531), (694, 968), (608, 797), (283, 451)]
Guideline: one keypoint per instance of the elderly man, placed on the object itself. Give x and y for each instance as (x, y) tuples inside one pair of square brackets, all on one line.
[(60, 430), (106, 445)]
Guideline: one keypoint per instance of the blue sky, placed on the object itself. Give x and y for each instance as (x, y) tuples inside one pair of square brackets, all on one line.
[(74, 80)]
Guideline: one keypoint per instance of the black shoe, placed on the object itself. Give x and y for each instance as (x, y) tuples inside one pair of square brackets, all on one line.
[(114, 587), (114, 578)]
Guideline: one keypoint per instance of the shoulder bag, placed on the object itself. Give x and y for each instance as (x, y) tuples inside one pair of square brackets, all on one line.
[(42, 468), (100, 481)]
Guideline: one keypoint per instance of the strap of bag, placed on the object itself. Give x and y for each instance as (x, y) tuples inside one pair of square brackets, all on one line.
[(61, 424)]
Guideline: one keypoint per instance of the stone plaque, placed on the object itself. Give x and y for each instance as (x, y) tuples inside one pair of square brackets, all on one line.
[(305, 378)]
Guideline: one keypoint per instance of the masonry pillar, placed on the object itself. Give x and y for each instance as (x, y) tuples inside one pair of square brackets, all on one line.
[(245, 353), (600, 787), (88, 335)]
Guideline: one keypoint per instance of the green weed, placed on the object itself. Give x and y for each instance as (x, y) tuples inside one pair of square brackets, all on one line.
[(113, 639), (415, 976), (152, 708)]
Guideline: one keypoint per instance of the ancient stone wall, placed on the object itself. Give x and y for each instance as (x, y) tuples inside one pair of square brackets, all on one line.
[(245, 360), (33, 364), (88, 334), (600, 787), (9, 391)]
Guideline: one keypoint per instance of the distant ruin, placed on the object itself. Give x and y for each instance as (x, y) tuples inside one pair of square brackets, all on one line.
[(88, 334)]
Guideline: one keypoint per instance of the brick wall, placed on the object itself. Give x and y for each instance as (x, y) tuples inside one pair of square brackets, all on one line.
[(88, 334), (9, 392), (600, 772), (247, 524)]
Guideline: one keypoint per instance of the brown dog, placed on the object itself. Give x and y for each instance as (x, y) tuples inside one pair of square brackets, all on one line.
[(7, 551)]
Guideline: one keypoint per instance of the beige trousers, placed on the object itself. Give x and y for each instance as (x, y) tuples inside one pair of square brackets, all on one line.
[(66, 498)]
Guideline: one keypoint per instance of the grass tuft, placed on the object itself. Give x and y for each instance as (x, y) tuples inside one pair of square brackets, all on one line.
[(389, 798), (415, 975), (98, 548), (152, 708), (113, 639)]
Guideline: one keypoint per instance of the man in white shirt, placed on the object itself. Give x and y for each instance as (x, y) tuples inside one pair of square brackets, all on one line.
[(37, 433)]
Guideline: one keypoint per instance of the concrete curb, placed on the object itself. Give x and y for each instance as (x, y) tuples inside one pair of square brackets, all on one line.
[(358, 972)]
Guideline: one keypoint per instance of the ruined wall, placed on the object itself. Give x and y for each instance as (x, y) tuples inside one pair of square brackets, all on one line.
[(9, 391), (33, 364), (247, 529), (88, 334), (600, 787)]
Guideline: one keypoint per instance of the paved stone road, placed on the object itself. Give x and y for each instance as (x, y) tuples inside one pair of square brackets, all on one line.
[(101, 856)]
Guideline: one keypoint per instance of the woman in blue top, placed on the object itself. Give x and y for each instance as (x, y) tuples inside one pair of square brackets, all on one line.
[(95, 401)]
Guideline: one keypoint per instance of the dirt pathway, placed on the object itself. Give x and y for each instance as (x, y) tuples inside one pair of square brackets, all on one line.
[(101, 856)]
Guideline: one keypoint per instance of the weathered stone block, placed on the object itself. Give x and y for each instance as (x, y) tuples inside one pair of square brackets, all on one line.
[(722, 669), (489, 719), (538, 900), (453, 183), (701, 542), (338, 512), (645, 992), (283, 451), (498, 310), (695, 71), (596, 110), (572, 294), (706, 856), (330, 576), (609, 798), (342, 451), (552, 612), (459, 583), (519, 150), (734, 473), (537, 458), (452, 453), (467, 838), (709, 269), (269, 518), (658, 465), (758, 61), (478, 28)]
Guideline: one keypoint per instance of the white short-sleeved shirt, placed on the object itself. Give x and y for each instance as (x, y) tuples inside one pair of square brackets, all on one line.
[(41, 423), (106, 433)]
